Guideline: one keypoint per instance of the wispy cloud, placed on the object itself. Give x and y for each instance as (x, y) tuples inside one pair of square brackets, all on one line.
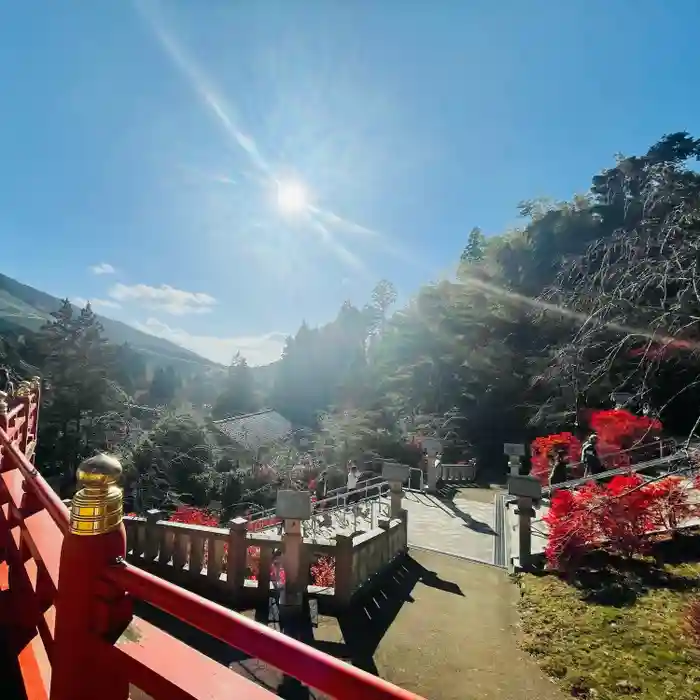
[(102, 269), (177, 302), (257, 349), (81, 302)]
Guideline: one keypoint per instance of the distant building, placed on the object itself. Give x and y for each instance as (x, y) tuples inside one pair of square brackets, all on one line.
[(253, 431)]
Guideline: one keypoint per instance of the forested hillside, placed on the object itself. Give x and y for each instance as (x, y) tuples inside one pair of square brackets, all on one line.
[(589, 296)]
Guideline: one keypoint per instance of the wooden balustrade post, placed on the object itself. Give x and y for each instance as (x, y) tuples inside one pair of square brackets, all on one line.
[(90, 614), (4, 408), (24, 396), (237, 555)]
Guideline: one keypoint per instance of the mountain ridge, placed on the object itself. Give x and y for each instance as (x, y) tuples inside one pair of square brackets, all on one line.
[(25, 308)]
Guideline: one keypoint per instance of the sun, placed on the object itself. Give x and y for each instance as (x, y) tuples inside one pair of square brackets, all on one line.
[(292, 197)]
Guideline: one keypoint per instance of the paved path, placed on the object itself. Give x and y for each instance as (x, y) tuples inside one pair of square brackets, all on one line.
[(464, 526), (443, 628)]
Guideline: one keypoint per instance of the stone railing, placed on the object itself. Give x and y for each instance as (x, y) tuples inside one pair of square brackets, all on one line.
[(216, 562), (458, 473)]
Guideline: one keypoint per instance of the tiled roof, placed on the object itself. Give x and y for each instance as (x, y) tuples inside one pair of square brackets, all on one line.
[(255, 430)]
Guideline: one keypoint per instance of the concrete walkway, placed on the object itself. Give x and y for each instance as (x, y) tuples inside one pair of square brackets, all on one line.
[(441, 627), (464, 526)]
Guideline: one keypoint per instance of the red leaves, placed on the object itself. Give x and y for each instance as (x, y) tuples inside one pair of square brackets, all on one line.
[(617, 430), (543, 448), (616, 517), (194, 516), (323, 572)]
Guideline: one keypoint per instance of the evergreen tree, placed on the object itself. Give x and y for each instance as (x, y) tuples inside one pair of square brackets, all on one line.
[(239, 395)]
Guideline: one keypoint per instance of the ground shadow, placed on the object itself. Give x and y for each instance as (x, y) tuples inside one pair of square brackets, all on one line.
[(469, 521), (363, 626), (619, 582), (371, 614)]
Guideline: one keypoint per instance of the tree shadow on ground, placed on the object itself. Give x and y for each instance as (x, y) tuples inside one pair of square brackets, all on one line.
[(616, 581), (469, 521)]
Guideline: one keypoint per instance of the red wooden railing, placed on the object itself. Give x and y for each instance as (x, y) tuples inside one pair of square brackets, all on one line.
[(66, 606)]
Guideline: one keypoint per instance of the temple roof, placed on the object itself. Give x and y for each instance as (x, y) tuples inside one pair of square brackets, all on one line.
[(255, 430)]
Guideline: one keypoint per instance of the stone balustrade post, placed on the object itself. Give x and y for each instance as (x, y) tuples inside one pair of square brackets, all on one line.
[(153, 533), (236, 560), (87, 608), (344, 583), (432, 470), (396, 475), (292, 508), (528, 491)]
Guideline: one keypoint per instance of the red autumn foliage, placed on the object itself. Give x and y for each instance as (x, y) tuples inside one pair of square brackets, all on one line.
[(543, 449), (616, 517), (323, 572), (617, 430), (194, 516)]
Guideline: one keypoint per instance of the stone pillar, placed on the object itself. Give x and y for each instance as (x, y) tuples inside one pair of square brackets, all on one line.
[(343, 569), (432, 474), (292, 508), (87, 607), (396, 475), (514, 465), (237, 554), (153, 533), (528, 490), (525, 513)]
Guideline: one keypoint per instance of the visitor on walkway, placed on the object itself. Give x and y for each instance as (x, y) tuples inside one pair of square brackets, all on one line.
[(353, 476), (592, 463), (560, 468), (439, 481)]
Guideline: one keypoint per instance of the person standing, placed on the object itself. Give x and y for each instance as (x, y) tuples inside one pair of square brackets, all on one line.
[(353, 477), (560, 468), (592, 463)]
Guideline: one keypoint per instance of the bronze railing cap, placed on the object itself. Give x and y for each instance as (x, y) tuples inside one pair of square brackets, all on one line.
[(99, 471)]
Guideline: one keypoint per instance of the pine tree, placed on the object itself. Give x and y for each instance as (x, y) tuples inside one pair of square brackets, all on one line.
[(475, 248)]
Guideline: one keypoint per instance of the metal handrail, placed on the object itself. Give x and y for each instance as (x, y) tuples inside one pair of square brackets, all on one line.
[(641, 466), (340, 491), (647, 445)]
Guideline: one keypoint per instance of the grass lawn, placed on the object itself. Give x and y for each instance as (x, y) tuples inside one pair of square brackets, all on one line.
[(615, 632)]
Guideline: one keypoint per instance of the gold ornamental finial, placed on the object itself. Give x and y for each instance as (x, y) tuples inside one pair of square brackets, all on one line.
[(36, 382), (97, 507), (24, 389), (3, 403)]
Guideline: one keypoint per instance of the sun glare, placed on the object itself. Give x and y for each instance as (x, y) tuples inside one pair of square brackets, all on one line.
[(292, 197)]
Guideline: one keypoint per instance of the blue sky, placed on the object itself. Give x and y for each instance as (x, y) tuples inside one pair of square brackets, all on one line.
[(146, 145)]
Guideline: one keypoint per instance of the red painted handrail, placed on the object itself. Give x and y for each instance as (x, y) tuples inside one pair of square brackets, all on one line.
[(38, 485), (306, 664)]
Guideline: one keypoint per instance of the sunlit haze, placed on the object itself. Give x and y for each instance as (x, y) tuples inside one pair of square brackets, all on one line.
[(292, 197), (216, 172)]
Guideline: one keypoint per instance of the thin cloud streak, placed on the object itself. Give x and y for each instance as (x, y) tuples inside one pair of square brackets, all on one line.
[(324, 219)]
